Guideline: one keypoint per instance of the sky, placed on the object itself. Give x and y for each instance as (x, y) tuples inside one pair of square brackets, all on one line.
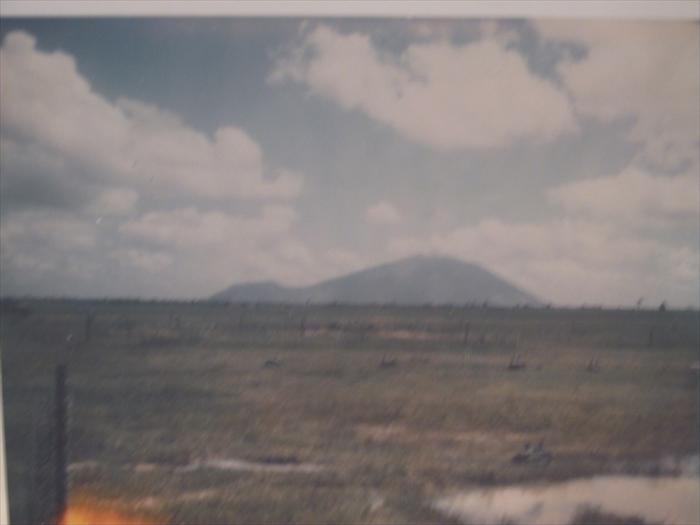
[(171, 158)]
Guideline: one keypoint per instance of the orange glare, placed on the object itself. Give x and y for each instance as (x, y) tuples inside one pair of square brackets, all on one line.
[(86, 515)]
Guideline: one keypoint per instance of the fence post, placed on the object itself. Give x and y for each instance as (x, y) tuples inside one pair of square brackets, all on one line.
[(4, 499), (60, 413)]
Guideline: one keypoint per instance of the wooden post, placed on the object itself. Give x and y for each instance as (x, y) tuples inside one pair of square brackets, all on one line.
[(4, 499), (60, 441)]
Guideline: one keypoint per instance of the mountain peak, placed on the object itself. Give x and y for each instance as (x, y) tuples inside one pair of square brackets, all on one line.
[(419, 279)]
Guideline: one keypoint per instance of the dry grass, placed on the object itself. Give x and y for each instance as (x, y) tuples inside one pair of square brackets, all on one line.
[(447, 416)]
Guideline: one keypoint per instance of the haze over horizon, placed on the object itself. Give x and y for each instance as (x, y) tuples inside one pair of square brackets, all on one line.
[(174, 157)]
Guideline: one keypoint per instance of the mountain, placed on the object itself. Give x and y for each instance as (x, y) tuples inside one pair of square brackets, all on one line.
[(416, 280)]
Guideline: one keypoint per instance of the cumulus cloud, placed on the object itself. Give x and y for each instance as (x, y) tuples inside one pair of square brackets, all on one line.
[(383, 212), (633, 196), (47, 228), (98, 194), (445, 96), (151, 261), (114, 201), (188, 227), (122, 195), (647, 71), (571, 262), (601, 245), (212, 249), (183, 252), (34, 244), (341, 261), (52, 113)]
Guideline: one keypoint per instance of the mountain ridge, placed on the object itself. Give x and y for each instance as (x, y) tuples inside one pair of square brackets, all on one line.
[(414, 280)]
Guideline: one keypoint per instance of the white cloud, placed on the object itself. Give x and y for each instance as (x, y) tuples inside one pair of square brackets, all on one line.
[(335, 262), (480, 95), (119, 157), (174, 253), (50, 109), (383, 212), (345, 260), (188, 227), (633, 196), (37, 243), (151, 261), (210, 250), (646, 70), (114, 201), (56, 229), (571, 261), (82, 155), (612, 240)]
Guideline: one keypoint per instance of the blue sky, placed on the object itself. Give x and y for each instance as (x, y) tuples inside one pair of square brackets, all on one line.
[(173, 157)]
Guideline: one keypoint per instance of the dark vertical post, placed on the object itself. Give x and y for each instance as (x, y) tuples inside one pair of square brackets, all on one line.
[(34, 472), (60, 413)]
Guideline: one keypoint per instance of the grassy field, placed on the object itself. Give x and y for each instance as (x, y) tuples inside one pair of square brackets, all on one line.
[(335, 414)]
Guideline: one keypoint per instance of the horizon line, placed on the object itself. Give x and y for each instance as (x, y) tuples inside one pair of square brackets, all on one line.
[(480, 304)]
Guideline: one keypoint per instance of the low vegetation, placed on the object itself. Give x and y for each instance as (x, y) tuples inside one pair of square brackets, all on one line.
[(396, 405)]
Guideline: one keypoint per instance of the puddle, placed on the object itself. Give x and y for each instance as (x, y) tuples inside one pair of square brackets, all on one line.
[(255, 466), (668, 500)]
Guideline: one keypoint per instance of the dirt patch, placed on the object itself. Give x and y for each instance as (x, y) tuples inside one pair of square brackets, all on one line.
[(376, 502), (406, 435), (83, 465), (411, 335), (233, 464), (198, 495), (145, 467), (155, 503)]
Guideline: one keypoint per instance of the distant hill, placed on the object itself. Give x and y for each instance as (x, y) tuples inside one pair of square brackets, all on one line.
[(416, 280)]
